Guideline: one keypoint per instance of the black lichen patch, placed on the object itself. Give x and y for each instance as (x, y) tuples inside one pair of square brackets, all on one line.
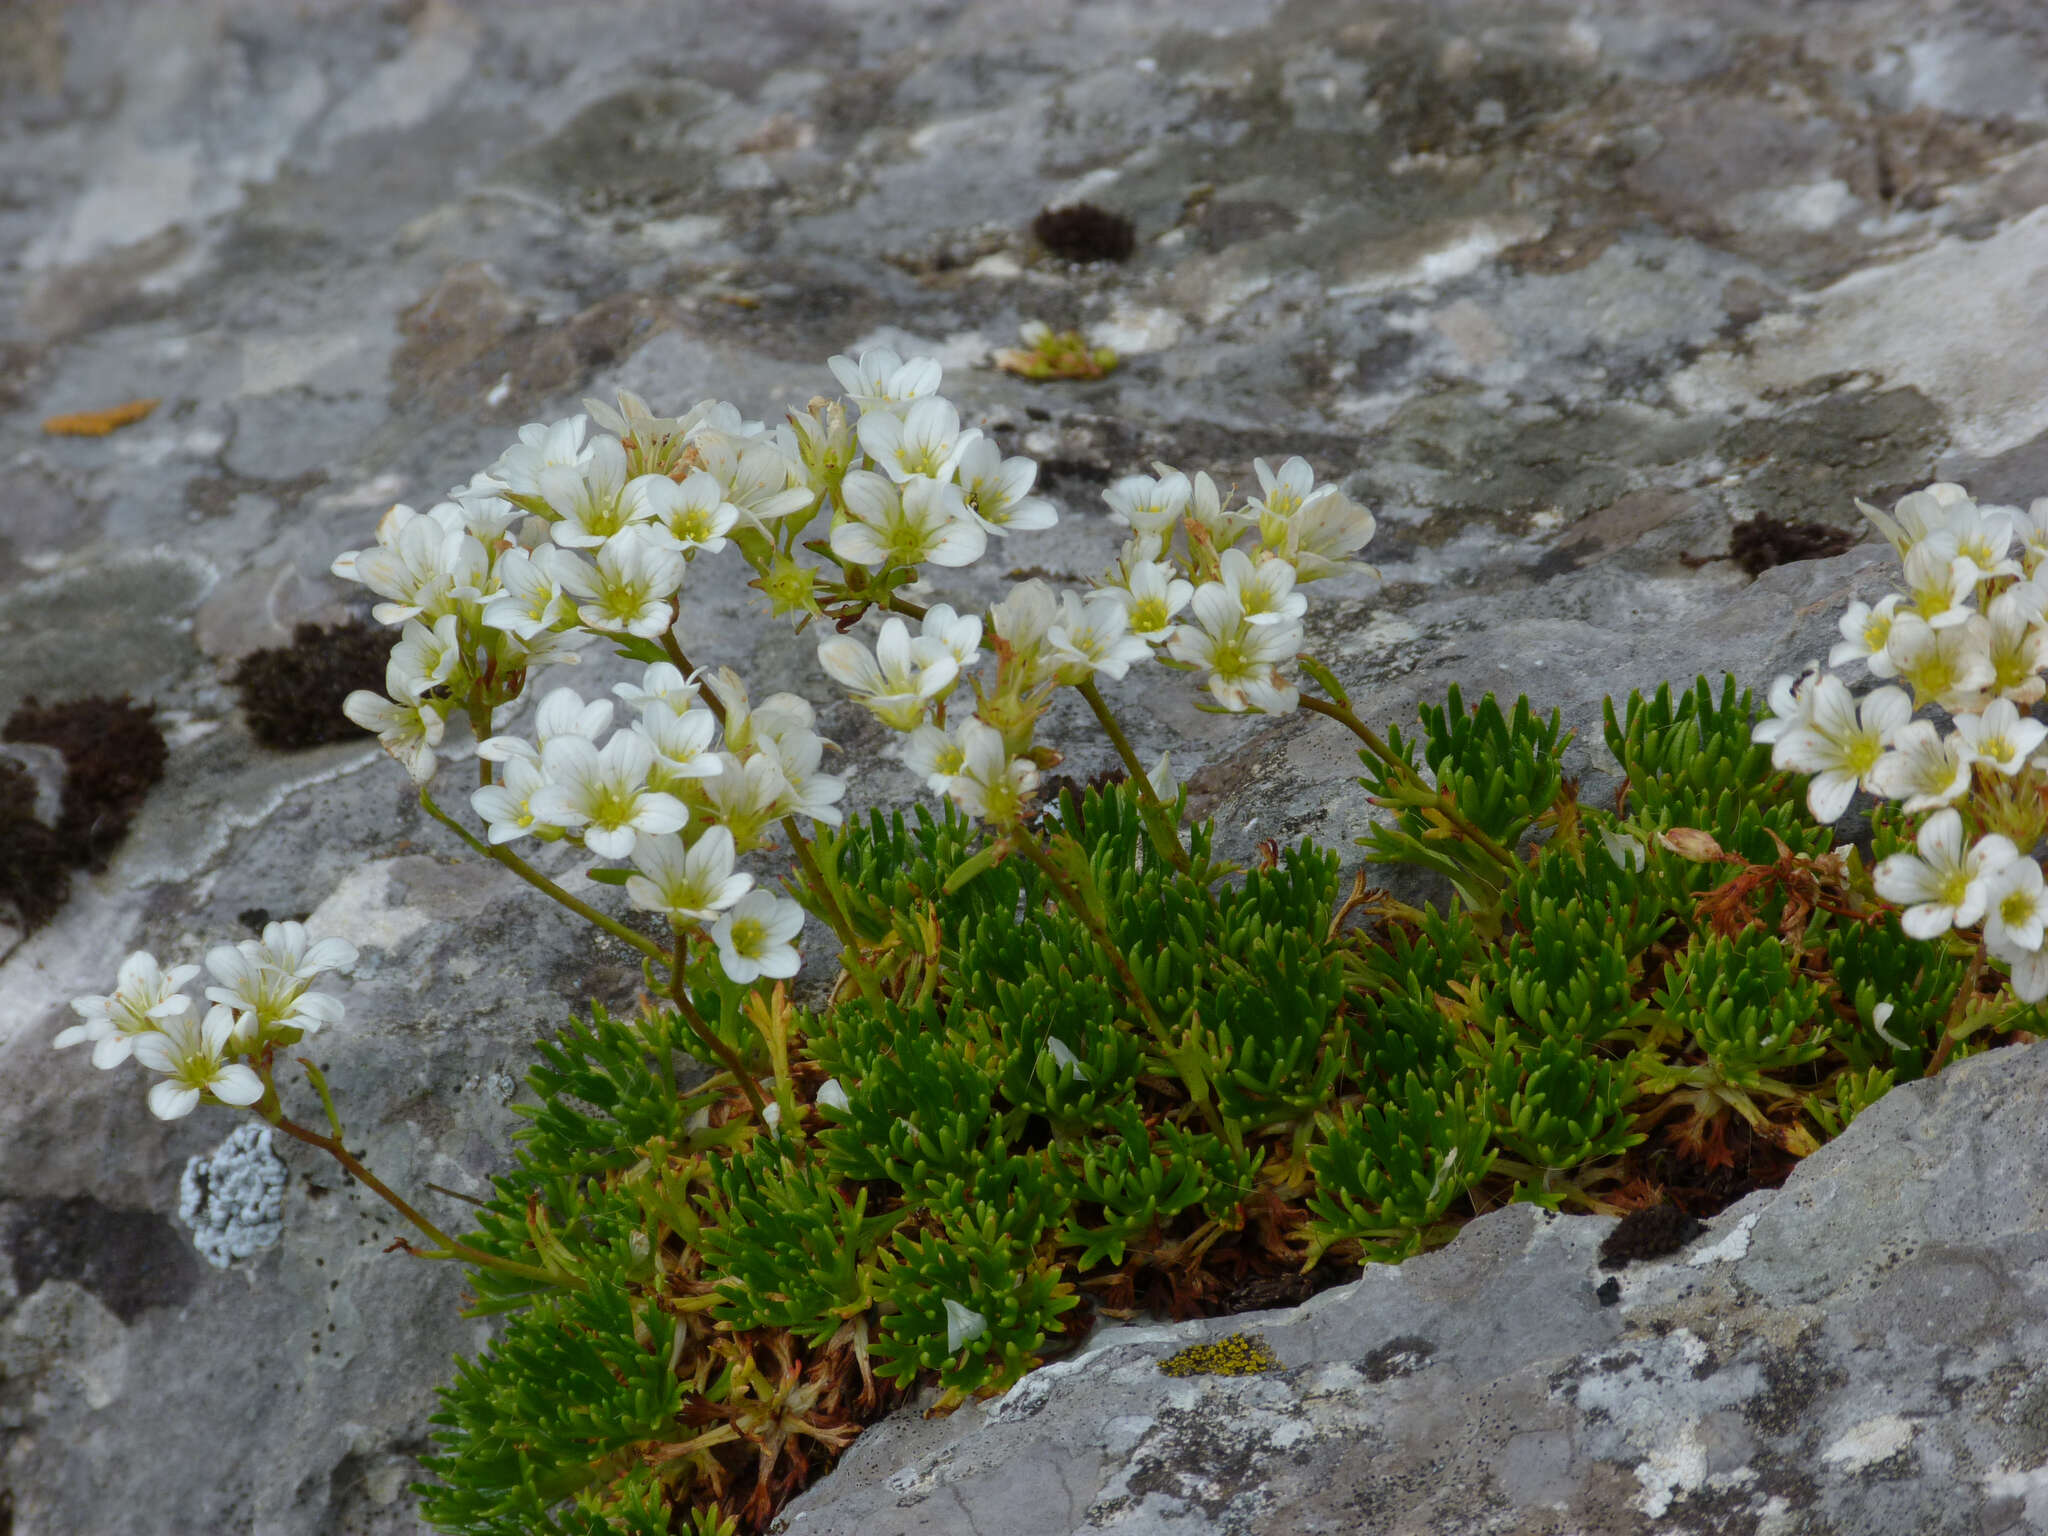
[(35, 872), (113, 752), (1655, 1233), (1403, 1356), (1765, 541), (131, 1260), (1085, 232), (292, 694), (1609, 1293)]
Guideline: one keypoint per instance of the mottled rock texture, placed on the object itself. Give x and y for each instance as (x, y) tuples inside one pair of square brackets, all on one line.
[(1564, 291)]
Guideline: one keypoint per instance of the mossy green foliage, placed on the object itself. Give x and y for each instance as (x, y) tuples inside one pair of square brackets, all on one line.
[(1160, 1085)]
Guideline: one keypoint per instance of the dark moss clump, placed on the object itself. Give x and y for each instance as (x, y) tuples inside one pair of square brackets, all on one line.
[(35, 874), (1654, 1233), (113, 752), (1084, 232), (1765, 541), (291, 694)]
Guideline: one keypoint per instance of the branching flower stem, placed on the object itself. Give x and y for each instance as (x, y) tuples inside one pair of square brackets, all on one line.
[(1444, 804), (722, 1052), (271, 1109), (702, 1029), (1154, 810), (800, 846), (1028, 845)]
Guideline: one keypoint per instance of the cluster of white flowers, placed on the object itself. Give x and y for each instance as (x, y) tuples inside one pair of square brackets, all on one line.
[(262, 998), (1968, 637), (1233, 572)]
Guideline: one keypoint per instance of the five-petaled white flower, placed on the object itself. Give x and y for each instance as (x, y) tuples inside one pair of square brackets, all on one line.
[(990, 784), (756, 937), (1999, 737), (408, 726), (192, 1053), (604, 794), (925, 438), (1924, 768), (2015, 912), (881, 379), (1154, 595), (681, 739), (542, 445), (1864, 631), (1950, 667), (1148, 505), (1093, 635), (1265, 591), (692, 885), (144, 996), (1842, 744), (628, 590), (266, 984), (907, 525), (997, 491), (1239, 656), (899, 680), (507, 806), (1944, 885), (693, 515)]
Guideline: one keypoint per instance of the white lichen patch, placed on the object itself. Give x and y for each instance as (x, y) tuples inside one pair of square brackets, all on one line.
[(1868, 1443), (359, 911), (233, 1199), (1730, 1248)]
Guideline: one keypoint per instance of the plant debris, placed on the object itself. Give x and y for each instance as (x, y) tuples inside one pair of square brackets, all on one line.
[(292, 694), (99, 423), (1085, 232), (1654, 1233), (113, 752), (1049, 354), (1765, 541)]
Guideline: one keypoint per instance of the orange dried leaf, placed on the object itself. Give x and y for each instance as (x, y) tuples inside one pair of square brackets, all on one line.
[(99, 423)]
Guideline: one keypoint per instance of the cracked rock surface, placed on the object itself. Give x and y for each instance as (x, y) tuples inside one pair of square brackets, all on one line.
[(1566, 292)]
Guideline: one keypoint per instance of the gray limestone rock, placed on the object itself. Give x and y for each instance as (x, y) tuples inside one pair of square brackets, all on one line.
[(1564, 291)]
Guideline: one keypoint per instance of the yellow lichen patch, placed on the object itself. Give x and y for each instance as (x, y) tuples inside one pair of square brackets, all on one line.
[(1236, 1354), (99, 423)]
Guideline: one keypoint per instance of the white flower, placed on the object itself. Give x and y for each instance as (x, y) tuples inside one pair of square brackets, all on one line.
[(1154, 595), (424, 565), (1094, 636), (2015, 910), (144, 995), (900, 680), (1286, 492), (2018, 648), (629, 590), (910, 526), (1626, 851), (681, 739), (541, 446), (590, 501), (1165, 787), (756, 937), (693, 515), (1940, 581), (1326, 532), (529, 597), (1879, 1017), (507, 807), (266, 984), (997, 491), (2000, 737), (1149, 505), (1983, 537), (2031, 527), (661, 684), (1023, 619), (1240, 657), (1264, 591), (797, 754), (694, 885), (963, 1326), (881, 379), (1944, 886), (192, 1055), (833, 1096), (1791, 701), (562, 713), (1206, 508), (746, 796), (604, 794), (958, 634), (1842, 744), (760, 481), (1924, 769), (925, 439), (1950, 667), (934, 754), (1864, 631), (1916, 515), (425, 658), (991, 784), (409, 731)]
